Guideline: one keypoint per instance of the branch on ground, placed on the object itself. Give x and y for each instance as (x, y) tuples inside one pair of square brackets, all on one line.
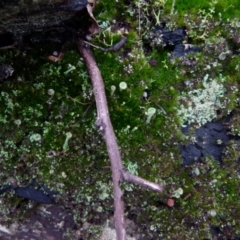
[(104, 125)]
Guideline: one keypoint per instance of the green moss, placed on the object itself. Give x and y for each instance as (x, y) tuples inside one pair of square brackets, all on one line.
[(228, 9), (35, 124), (187, 6), (203, 195)]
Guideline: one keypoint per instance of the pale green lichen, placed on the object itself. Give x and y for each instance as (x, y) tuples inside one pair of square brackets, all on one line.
[(150, 112), (71, 68), (51, 92), (65, 145), (200, 105), (177, 193), (113, 89), (123, 85), (35, 137)]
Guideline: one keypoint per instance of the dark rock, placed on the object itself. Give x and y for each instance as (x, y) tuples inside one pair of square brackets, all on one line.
[(215, 231), (163, 37), (181, 50), (211, 139), (190, 153), (35, 192), (74, 5), (175, 37), (37, 195), (5, 188), (5, 71)]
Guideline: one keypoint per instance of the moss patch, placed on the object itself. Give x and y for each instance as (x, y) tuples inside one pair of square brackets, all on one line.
[(43, 101)]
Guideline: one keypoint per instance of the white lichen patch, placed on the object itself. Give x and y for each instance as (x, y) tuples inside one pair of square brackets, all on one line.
[(200, 105)]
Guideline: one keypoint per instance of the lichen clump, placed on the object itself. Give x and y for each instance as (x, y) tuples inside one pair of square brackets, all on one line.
[(200, 105)]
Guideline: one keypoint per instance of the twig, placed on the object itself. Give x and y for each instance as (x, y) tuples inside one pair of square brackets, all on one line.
[(113, 48), (129, 177), (8, 47), (161, 108), (76, 101), (173, 6), (85, 113), (103, 123)]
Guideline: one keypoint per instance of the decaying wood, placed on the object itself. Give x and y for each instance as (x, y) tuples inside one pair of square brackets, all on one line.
[(104, 125), (32, 21)]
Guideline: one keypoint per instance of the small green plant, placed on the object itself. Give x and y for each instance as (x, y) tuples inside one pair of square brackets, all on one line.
[(65, 145)]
